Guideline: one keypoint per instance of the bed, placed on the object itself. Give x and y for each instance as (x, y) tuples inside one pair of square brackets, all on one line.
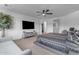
[(59, 42)]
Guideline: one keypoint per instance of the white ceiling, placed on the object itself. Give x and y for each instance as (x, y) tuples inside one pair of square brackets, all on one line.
[(30, 9)]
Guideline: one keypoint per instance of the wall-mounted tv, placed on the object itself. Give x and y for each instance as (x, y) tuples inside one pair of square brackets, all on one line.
[(27, 25)]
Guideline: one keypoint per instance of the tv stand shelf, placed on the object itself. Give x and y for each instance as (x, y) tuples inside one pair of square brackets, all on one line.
[(28, 34)]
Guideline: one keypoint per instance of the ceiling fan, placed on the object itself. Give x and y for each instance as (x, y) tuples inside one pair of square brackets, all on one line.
[(45, 12)]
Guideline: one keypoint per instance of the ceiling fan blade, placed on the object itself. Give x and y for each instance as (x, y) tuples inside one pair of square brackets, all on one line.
[(47, 10), (49, 13)]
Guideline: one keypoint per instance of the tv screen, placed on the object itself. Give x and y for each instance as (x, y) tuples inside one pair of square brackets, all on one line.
[(27, 25)]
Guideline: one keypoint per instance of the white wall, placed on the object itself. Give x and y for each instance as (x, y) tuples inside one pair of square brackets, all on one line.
[(16, 30), (71, 20), (49, 27)]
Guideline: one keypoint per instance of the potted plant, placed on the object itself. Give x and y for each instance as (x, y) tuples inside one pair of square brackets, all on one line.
[(5, 22)]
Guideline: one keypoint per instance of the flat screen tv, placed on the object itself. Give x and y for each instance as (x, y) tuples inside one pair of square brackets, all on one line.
[(27, 25)]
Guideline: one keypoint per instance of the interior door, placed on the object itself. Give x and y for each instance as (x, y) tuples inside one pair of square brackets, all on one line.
[(56, 26)]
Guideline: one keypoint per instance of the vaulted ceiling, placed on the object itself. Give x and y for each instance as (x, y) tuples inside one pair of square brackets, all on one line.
[(30, 9)]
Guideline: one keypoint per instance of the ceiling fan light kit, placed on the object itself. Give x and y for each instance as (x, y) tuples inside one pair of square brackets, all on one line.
[(43, 14)]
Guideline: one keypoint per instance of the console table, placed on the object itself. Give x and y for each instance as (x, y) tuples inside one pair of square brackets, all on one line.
[(28, 34)]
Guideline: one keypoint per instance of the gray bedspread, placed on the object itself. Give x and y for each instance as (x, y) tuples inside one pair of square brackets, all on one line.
[(58, 42)]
